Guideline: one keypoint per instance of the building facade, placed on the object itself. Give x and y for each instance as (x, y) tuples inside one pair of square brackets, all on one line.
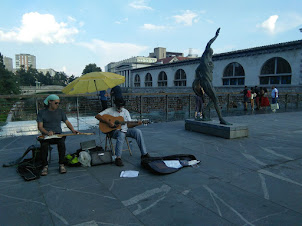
[(51, 71), (278, 64), (8, 63), (26, 60), (124, 67)]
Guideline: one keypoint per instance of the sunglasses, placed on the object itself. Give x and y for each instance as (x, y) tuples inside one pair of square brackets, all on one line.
[(57, 103)]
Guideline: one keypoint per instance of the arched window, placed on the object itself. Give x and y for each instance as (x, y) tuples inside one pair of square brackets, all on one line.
[(148, 80), (233, 75), (162, 79), (137, 81), (180, 78), (275, 71)]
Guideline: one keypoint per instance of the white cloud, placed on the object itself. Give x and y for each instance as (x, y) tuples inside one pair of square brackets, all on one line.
[(281, 23), (187, 18), (70, 18), (112, 51), (270, 24), (64, 69), (140, 4), (36, 27), (153, 27), (122, 21)]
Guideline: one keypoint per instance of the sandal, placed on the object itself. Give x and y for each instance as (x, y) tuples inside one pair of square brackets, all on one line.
[(44, 171), (62, 169)]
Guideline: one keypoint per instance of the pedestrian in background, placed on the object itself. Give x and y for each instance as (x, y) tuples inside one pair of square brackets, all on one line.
[(257, 92), (199, 100), (253, 95), (275, 95), (246, 96), (104, 99), (264, 100)]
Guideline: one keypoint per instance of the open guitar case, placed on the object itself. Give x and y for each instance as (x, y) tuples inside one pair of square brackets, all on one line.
[(168, 164)]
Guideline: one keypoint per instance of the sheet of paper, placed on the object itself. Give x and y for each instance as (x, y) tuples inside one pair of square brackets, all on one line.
[(173, 164), (129, 173), (193, 162)]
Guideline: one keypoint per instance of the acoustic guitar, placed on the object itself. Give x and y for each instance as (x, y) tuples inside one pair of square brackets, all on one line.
[(45, 137), (118, 122)]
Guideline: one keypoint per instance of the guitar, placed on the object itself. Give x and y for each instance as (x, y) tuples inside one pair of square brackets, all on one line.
[(118, 122), (45, 137)]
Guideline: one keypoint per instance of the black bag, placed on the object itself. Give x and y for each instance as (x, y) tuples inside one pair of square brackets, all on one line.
[(99, 156), (30, 169), (158, 166)]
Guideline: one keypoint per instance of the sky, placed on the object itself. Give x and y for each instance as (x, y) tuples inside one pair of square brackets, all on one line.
[(67, 35)]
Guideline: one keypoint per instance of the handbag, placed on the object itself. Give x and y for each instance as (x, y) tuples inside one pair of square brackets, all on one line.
[(99, 156), (275, 106)]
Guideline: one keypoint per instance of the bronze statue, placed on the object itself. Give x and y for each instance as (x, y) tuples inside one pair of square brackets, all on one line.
[(203, 79)]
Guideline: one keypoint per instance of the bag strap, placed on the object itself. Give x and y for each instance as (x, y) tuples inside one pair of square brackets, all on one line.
[(18, 160)]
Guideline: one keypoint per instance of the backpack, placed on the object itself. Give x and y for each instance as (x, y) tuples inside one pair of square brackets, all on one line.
[(248, 93), (30, 168), (168, 164)]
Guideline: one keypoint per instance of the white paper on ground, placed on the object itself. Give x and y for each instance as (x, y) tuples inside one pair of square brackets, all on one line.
[(129, 173), (193, 162), (173, 164)]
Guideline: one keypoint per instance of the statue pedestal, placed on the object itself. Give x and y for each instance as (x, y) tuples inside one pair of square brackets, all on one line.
[(214, 128)]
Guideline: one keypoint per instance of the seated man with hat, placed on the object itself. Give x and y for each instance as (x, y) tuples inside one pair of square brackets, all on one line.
[(125, 130)]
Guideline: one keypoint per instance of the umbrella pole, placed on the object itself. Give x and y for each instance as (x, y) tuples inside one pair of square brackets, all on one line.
[(97, 94)]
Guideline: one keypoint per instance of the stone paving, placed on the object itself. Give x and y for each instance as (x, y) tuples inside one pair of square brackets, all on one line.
[(248, 181)]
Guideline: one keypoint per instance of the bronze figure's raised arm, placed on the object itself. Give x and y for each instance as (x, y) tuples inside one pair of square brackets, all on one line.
[(203, 79)]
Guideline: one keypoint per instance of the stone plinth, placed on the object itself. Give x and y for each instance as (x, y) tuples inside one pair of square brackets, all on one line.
[(214, 128)]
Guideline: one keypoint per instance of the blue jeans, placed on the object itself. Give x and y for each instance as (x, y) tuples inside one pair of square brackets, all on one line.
[(274, 100), (133, 133)]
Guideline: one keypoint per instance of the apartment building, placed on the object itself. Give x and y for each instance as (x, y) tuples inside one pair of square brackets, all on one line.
[(26, 60)]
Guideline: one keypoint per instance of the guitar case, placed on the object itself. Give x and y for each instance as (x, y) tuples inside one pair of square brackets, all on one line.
[(168, 164)]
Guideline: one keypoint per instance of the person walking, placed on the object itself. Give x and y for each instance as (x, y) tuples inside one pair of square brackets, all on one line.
[(264, 100), (253, 95), (246, 97), (257, 92), (275, 95)]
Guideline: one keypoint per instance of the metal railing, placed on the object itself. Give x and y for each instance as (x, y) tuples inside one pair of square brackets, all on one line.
[(18, 112)]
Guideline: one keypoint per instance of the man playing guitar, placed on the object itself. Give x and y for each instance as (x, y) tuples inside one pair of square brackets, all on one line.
[(49, 123), (120, 132)]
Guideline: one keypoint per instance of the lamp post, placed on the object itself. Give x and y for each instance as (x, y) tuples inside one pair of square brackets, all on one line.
[(37, 86)]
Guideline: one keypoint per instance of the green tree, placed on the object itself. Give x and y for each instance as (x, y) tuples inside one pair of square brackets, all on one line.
[(27, 77), (71, 78), (90, 68), (60, 78), (9, 83)]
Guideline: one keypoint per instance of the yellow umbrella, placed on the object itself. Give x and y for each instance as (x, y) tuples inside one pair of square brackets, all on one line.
[(93, 82)]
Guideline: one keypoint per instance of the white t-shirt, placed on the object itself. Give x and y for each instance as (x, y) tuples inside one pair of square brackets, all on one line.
[(274, 93), (113, 112)]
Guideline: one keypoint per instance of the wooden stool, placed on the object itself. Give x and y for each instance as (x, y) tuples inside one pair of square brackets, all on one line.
[(109, 141)]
